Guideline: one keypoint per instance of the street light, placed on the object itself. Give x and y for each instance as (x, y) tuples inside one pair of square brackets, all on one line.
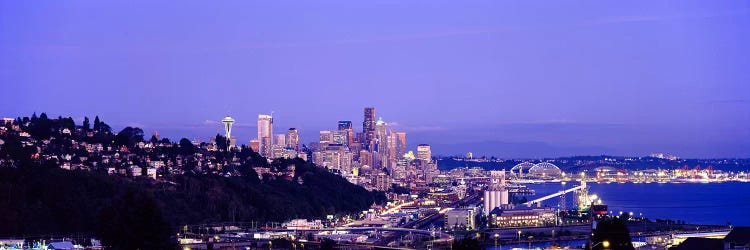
[(519, 236), (530, 237), (605, 244), (496, 236)]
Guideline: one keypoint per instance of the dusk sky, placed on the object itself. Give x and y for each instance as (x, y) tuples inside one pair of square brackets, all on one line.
[(502, 78)]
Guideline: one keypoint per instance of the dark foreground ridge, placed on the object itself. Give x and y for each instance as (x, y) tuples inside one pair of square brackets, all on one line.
[(37, 197)]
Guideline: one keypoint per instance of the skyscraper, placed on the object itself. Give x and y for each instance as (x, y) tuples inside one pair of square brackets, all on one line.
[(280, 140), (400, 144), (340, 137), (326, 137), (347, 126), (344, 125), (265, 134), (292, 139), (368, 126), (424, 153)]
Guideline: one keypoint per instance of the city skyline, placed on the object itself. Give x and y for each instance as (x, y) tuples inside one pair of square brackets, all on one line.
[(623, 79), (424, 124)]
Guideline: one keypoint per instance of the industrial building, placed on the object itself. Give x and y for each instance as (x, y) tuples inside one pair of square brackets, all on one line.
[(461, 218), (522, 216)]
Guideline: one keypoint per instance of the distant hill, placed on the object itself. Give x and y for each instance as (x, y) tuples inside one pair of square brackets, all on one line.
[(580, 163)]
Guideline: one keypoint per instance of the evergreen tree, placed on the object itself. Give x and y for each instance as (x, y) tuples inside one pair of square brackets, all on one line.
[(86, 125), (97, 124), (221, 142)]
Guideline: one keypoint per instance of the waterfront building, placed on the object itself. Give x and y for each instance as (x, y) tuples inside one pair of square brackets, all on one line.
[(496, 194), (461, 218), (265, 134), (522, 217)]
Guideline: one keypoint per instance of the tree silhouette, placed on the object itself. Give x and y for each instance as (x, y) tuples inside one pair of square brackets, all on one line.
[(186, 147), (613, 230), (134, 222), (467, 244), (86, 125), (97, 124), (128, 137), (221, 142)]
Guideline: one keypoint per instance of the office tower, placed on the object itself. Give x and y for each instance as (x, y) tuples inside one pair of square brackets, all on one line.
[(347, 126), (381, 134), (365, 158), (228, 122), (424, 153), (340, 137), (400, 142), (368, 126), (279, 140), (381, 143), (255, 145), (292, 139), (391, 150), (265, 134), (344, 125), (326, 137)]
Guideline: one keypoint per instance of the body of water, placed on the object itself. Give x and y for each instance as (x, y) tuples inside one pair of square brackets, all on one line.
[(700, 203)]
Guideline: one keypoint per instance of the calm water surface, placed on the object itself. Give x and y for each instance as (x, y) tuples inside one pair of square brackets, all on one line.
[(700, 203)]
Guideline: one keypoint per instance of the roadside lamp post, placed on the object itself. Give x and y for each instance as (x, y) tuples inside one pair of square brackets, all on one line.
[(530, 237), (605, 244), (553, 234), (519, 236), (496, 236)]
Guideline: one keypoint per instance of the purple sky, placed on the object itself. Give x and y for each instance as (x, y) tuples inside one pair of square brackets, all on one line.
[(504, 78)]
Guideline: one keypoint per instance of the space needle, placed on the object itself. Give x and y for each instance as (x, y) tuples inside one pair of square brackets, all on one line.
[(227, 121)]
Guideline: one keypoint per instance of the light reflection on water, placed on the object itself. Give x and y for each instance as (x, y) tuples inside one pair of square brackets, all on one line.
[(699, 203)]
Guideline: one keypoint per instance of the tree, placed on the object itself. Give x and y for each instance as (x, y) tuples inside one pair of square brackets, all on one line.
[(97, 124), (614, 231), (128, 137), (467, 244), (86, 125), (134, 221), (186, 147), (328, 244), (221, 142)]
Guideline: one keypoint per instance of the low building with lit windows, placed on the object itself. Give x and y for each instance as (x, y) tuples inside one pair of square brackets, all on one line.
[(522, 216)]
